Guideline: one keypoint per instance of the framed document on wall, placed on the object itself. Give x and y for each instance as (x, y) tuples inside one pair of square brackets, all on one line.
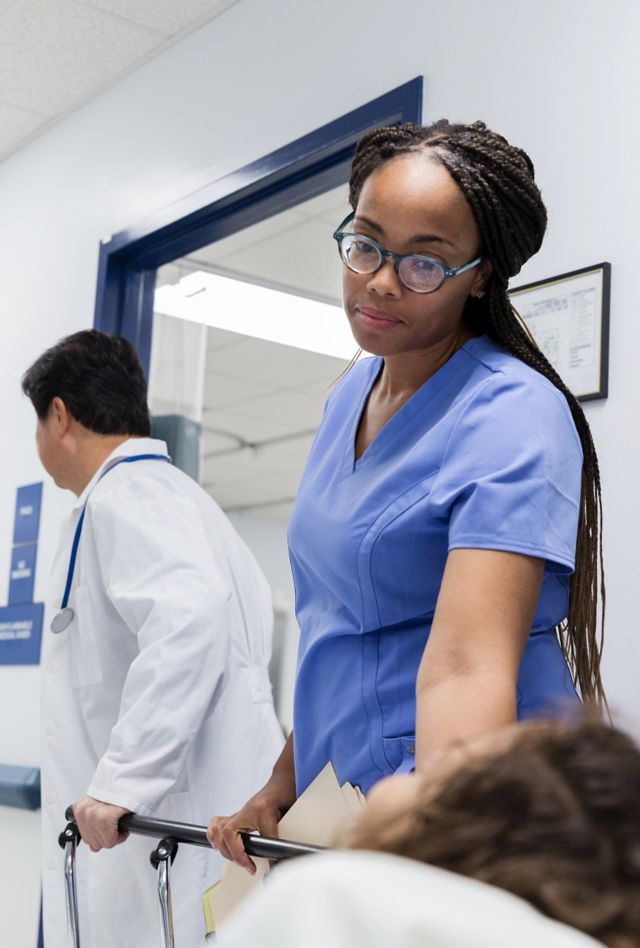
[(568, 316)]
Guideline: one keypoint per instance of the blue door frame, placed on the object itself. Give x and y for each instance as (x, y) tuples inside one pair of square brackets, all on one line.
[(301, 170)]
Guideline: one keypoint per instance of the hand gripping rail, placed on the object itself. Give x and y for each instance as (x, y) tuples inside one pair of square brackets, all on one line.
[(171, 835)]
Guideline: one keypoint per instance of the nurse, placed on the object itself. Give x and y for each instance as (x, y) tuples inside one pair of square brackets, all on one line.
[(451, 491)]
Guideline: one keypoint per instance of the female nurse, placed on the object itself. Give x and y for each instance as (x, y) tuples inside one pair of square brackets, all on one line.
[(451, 491)]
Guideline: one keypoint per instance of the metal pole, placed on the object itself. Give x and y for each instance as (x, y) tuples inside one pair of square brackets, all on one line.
[(166, 913), (266, 847), (160, 859), (68, 840)]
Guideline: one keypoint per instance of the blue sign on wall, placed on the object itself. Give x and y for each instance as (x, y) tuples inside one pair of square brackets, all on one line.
[(27, 522), (22, 574), (21, 621), (21, 633)]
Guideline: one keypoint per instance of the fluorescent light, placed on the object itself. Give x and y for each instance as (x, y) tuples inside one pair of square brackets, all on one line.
[(253, 310)]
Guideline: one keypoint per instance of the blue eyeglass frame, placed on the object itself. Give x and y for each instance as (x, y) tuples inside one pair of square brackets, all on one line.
[(447, 272)]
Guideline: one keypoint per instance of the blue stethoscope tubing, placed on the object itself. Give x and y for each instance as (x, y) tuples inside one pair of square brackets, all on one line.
[(63, 619)]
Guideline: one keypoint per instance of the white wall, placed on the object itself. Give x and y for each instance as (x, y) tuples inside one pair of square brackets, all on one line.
[(558, 77)]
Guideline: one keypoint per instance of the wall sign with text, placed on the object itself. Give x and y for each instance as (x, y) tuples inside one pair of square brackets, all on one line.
[(21, 620)]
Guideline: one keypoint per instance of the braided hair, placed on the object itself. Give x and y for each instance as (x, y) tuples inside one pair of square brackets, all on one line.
[(497, 180)]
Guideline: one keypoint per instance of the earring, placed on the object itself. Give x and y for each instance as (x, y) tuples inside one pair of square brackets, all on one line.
[(479, 294)]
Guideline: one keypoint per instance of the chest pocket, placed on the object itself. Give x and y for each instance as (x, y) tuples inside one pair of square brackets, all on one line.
[(401, 559), (85, 657), (401, 753)]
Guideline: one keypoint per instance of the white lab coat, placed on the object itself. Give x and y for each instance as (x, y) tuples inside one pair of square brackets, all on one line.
[(156, 697), (377, 900)]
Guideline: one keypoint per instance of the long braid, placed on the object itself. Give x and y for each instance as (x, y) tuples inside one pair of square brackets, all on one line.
[(498, 182)]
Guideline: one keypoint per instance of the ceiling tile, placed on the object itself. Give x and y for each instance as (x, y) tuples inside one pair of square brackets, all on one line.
[(301, 411), (249, 465), (244, 426), (322, 387), (267, 490), (56, 53), (16, 124), (221, 338), (238, 470), (325, 206), (257, 390), (272, 363), (290, 452), (166, 16), (214, 442), (303, 259), (224, 391), (281, 236)]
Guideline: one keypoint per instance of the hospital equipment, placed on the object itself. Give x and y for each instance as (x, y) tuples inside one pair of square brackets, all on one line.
[(172, 835)]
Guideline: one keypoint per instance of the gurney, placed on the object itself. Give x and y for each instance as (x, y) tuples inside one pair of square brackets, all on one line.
[(170, 835), (345, 898)]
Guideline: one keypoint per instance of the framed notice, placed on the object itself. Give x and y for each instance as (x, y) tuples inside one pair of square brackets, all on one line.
[(568, 316)]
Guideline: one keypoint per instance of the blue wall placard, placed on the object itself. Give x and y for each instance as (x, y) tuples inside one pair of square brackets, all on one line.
[(21, 633), (21, 621), (27, 521), (22, 573)]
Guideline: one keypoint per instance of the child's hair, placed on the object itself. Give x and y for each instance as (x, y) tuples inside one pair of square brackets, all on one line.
[(554, 819), (497, 179)]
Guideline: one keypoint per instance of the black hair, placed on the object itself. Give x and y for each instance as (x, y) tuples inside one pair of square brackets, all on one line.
[(100, 380)]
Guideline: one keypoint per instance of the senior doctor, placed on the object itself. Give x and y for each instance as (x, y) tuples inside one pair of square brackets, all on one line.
[(156, 696)]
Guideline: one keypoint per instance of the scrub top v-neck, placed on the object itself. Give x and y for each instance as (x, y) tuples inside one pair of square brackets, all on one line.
[(484, 455)]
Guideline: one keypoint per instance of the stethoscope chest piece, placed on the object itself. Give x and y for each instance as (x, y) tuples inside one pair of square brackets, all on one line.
[(62, 620)]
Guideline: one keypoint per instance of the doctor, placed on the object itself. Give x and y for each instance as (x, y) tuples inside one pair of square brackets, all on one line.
[(156, 696)]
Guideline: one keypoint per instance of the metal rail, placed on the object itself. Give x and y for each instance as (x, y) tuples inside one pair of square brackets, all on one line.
[(265, 847), (170, 834)]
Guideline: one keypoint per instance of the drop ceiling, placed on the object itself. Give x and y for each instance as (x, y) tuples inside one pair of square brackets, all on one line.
[(55, 55), (262, 401), (292, 251)]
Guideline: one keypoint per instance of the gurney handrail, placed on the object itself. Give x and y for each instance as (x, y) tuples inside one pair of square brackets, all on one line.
[(260, 846)]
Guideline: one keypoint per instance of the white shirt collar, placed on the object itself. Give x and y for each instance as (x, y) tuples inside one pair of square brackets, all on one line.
[(128, 449)]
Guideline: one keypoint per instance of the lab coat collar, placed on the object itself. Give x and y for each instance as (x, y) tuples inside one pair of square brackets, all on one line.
[(128, 449)]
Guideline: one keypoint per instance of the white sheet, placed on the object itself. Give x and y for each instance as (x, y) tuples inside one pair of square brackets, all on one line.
[(375, 900)]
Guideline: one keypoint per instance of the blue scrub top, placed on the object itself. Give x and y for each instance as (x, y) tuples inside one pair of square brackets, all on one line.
[(484, 455)]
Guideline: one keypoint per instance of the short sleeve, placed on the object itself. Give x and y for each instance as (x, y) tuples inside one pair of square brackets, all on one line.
[(510, 477)]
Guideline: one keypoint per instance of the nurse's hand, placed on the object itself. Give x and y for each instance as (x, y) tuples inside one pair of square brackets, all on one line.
[(261, 813), (98, 823)]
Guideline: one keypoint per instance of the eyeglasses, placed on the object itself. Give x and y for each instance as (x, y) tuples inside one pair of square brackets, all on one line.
[(419, 273)]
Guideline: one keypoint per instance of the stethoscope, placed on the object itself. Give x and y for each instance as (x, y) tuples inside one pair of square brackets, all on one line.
[(63, 619)]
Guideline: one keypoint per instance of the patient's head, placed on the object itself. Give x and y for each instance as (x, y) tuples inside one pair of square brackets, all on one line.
[(548, 811)]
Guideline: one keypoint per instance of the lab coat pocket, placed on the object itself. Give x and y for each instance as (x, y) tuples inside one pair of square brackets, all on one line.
[(401, 753), (85, 658)]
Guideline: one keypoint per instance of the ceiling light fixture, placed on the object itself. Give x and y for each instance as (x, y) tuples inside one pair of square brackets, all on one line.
[(258, 311)]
